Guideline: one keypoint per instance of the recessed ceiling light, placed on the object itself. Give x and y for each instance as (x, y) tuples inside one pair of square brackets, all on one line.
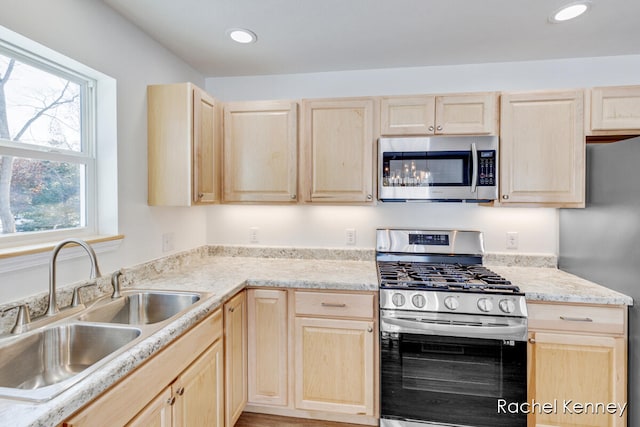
[(241, 35), (569, 11)]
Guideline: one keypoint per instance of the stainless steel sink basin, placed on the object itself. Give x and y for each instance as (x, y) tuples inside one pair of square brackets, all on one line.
[(140, 307), (39, 365)]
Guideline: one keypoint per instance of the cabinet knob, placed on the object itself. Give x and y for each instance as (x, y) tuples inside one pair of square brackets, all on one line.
[(171, 400), (369, 329), (369, 197), (532, 341), (293, 196), (431, 128), (180, 391), (505, 196), (439, 127), (200, 195), (232, 309)]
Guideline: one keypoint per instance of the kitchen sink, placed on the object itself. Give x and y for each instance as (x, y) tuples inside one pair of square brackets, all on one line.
[(39, 365), (140, 307)]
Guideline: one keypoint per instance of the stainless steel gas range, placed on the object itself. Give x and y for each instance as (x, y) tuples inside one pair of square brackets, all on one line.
[(452, 333)]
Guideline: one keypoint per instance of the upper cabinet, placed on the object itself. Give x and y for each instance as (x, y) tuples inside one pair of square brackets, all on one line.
[(542, 149), (260, 152), (184, 133), (464, 114), (337, 150), (615, 110)]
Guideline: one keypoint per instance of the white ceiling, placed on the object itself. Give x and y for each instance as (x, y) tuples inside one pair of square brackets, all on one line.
[(299, 36)]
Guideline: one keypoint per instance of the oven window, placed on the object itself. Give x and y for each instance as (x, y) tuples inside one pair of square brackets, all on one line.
[(452, 367), (419, 169)]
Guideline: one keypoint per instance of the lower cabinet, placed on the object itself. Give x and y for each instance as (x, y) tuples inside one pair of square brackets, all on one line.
[(180, 386), (235, 356), (577, 364), (313, 354), (194, 399)]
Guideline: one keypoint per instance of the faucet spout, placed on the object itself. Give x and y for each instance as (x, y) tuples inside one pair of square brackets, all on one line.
[(95, 270)]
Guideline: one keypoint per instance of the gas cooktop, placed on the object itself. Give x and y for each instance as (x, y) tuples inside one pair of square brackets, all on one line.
[(441, 276)]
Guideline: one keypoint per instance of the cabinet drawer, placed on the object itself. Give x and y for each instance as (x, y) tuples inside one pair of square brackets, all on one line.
[(334, 304), (578, 318)]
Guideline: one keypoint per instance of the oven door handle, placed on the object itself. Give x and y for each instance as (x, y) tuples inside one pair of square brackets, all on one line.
[(516, 332), (474, 171)]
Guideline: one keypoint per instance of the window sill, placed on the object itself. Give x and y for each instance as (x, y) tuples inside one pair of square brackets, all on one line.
[(20, 257)]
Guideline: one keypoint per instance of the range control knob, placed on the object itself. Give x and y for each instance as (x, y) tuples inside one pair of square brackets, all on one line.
[(398, 300), (485, 304), (507, 306), (419, 300), (451, 303)]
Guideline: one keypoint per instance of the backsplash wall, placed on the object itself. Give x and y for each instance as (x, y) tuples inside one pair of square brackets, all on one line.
[(324, 226)]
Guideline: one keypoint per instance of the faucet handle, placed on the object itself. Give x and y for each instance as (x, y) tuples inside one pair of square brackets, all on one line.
[(22, 318), (76, 300), (115, 282)]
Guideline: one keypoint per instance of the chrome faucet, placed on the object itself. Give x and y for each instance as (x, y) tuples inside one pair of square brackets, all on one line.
[(95, 271)]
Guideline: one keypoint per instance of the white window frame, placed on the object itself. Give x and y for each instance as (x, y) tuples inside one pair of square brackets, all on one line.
[(99, 133)]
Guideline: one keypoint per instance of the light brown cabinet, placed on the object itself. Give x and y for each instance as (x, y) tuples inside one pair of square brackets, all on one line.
[(268, 371), (181, 384), (261, 152), (334, 336), (235, 356), (615, 110), (313, 354), (459, 114), (184, 145), (577, 353), (542, 149), (195, 398), (337, 144)]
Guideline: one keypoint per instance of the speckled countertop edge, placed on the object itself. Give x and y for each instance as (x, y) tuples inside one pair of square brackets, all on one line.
[(215, 269)]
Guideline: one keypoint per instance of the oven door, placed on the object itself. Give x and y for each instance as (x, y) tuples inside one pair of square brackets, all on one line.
[(436, 379)]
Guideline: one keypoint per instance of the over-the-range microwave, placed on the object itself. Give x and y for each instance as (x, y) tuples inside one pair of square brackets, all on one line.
[(440, 168)]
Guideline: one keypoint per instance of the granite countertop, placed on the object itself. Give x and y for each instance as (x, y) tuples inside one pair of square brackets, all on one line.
[(223, 273)]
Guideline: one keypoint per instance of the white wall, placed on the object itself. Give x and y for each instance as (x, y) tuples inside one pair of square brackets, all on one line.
[(93, 34), (325, 226)]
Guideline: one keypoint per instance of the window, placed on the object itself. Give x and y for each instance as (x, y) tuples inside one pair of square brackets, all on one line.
[(50, 110)]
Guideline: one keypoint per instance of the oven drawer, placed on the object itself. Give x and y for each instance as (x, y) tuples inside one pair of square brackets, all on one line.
[(577, 318), (334, 304)]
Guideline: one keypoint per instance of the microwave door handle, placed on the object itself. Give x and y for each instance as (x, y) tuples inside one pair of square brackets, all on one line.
[(474, 170)]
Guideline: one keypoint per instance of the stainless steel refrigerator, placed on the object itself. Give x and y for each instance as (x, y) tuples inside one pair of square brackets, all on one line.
[(601, 243)]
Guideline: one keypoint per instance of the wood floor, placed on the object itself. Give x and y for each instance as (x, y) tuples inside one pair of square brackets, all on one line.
[(248, 419)]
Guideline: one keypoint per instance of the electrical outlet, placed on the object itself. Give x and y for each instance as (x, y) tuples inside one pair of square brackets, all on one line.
[(254, 236), (168, 242), (350, 236), (512, 240)]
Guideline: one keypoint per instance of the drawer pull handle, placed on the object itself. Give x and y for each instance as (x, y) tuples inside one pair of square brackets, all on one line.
[(330, 304), (180, 391), (171, 400), (532, 340), (576, 319)]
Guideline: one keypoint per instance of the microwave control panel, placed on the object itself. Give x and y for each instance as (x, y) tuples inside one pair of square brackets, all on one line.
[(487, 167)]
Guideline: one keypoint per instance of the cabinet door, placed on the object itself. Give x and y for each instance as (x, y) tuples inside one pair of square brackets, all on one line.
[(156, 414), (260, 152), (615, 108), (407, 115), (235, 357), (577, 368), (334, 365), (467, 114), (199, 391), (542, 149), (267, 346), (338, 140), (206, 149)]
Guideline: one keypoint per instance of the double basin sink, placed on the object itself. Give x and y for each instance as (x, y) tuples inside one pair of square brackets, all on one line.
[(42, 363)]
